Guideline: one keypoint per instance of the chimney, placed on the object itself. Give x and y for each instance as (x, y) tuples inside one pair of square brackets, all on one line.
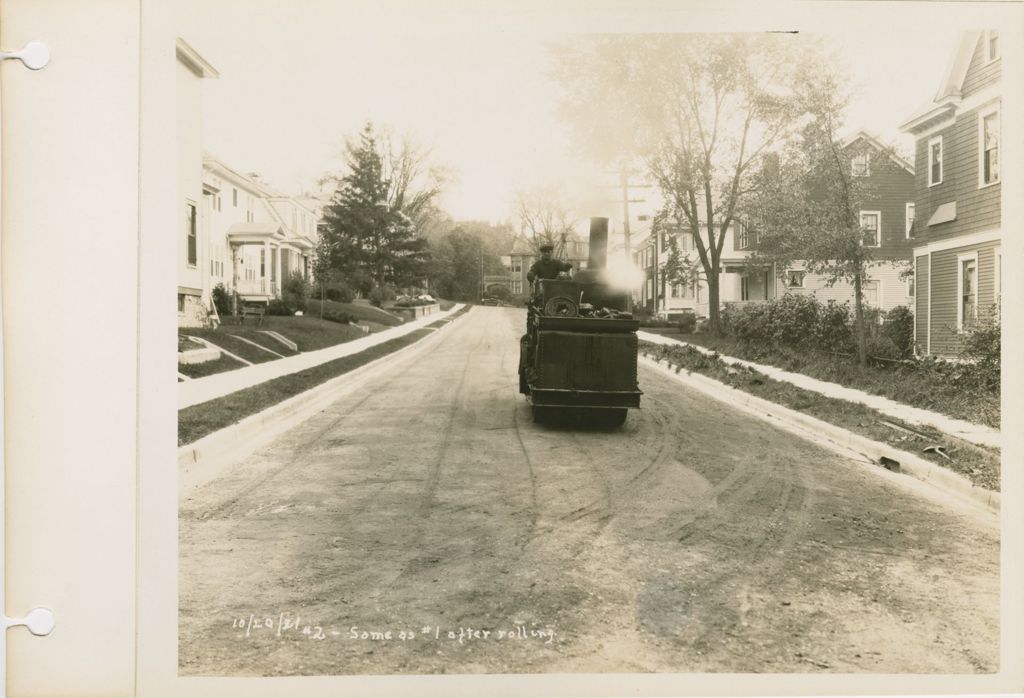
[(598, 258)]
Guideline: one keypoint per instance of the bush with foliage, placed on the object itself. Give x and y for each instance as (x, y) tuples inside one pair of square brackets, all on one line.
[(792, 319), (278, 306), (832, 331), (340, 316), (748, 323), (687, 323), (982, 346), (294, 294), (381, 294), (898, 328), (222, 300)]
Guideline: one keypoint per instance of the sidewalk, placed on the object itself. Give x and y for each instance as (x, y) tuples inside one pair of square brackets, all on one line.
[(974, 433), (201, 390)]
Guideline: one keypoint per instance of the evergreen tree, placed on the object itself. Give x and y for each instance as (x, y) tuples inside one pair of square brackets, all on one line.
[(365, 236)]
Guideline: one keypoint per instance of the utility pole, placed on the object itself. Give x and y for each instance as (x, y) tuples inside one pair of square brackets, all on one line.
[(625, 186)]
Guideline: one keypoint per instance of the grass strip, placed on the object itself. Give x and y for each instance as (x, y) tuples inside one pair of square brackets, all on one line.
[(980, 465), (196, 421), (944, 387), (208, 368)]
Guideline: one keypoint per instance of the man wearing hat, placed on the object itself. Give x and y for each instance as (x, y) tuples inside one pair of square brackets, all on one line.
[(546, 267)]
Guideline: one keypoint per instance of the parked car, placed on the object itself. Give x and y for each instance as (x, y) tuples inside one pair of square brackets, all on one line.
[(490, 301)]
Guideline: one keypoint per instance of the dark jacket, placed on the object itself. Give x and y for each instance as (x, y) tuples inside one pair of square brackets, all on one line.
[(547, 269)]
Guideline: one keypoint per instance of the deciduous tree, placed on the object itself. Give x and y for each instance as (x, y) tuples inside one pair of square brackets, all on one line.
[(703, 110), (807, 203)]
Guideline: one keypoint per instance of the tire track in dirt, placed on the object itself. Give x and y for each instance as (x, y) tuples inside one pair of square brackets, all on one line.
[(227, 508)]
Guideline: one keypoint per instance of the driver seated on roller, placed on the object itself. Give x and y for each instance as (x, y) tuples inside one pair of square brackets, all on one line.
[(546, 267)]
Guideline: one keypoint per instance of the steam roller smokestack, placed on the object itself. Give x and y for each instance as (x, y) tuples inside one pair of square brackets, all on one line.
[(598, 258)]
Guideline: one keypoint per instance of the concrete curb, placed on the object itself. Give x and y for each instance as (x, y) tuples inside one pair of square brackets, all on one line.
[(976, 434), (822, 432), (232, 443)]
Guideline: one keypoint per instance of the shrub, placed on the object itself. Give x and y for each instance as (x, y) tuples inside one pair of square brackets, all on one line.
[(340, 316), (898, 328), (380, 294), (221, 300), (747, 323), (278, 306), (294, 294), (832, 331), (687, 323), (881, 347), (792, 319), (982, 346)]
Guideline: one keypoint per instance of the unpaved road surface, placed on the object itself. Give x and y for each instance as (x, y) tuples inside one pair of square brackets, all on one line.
[(428, 505)]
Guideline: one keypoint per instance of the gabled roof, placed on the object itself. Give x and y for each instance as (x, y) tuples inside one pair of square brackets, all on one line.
[(956, 72), (191, 58), (947, 98), (221, 169), (872, 140)]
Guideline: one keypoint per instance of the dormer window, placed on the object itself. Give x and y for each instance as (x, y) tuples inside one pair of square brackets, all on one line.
[(861, 165), (991, 45)]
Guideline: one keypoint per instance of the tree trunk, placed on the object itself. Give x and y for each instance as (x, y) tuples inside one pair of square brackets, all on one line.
[(714, 324), (858, 304)]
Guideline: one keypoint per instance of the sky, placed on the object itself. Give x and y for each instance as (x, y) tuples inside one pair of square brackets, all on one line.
[(471, 80)]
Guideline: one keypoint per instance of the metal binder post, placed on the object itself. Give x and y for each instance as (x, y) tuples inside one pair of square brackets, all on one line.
[(35, 55)]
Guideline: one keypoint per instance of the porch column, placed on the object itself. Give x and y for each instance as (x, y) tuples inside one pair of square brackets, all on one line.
[(277, 271), (265, 272)]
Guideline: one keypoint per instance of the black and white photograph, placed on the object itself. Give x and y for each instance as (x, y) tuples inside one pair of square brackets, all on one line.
[(529, 353), (540, 341)]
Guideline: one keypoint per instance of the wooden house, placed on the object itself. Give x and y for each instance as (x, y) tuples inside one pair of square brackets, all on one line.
[(958, 229)]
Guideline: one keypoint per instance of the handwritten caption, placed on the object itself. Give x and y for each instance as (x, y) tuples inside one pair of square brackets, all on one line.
[(289, 624)]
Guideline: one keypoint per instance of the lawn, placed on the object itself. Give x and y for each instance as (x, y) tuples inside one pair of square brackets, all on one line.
[(307, 331), (225, 338), (980, 465), (197, 421), (360, 311), (943, 387)]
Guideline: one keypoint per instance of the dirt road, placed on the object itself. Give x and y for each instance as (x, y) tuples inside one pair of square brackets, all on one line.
[(425, 524)]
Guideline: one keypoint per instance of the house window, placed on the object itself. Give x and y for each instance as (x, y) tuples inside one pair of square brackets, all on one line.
[(910, 285), (967, 290), (181, 303), (795, 278), (861, 165), (870, 289), (989, 144), (935, 161), (234, 198), (910, 218), (991, 45), (643, 218), (190, 233), (871, 226)]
